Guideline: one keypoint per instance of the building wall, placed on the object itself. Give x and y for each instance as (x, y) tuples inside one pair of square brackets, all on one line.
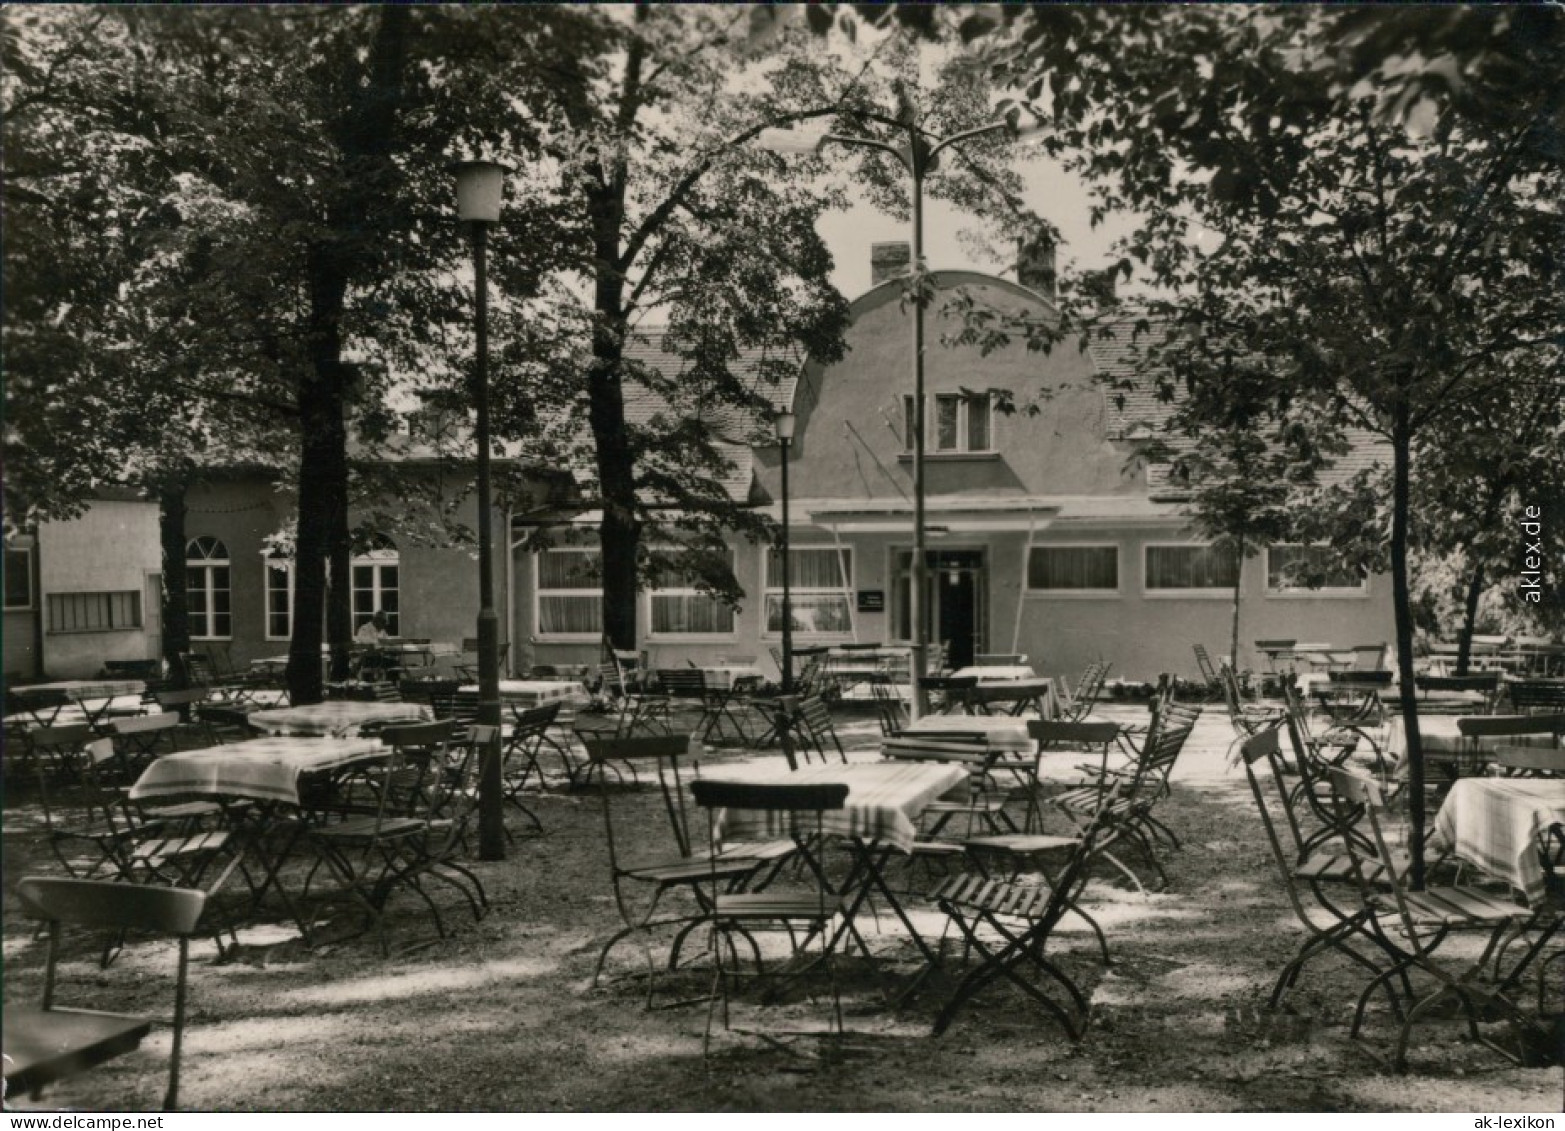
[(437, 587), (20, 629), (112, 548)]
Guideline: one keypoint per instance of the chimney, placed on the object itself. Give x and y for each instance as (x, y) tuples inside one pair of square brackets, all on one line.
[(1035, 265), (887, 261)]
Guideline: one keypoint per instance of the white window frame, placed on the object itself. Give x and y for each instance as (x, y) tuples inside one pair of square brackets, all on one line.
[(269, 563), (932, 424), (206, 565), (26, 552), (1295, 592), (1212, 593), (1076, 594), (690, 590), (378, 559), (539, 593), (769, 591)]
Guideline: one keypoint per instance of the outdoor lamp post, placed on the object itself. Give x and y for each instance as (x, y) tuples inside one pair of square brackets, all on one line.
[(783, 422), (479, 188), (918, 154)]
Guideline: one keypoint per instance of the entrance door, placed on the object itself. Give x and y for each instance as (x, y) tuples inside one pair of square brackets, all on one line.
[(954, 600)]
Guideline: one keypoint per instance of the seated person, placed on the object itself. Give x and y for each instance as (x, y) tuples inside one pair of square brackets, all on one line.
[(373, 631)]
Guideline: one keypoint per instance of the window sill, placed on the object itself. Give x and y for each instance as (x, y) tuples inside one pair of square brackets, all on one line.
[(1188, 594), (1072, 594), (952, 457)]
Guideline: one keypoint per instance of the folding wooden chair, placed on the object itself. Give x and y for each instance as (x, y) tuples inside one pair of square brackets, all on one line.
[(1321, 872), (1009, 924), (1077, 704), (140, 739), (54, 1041), (1209, 676), (1415, 923), (730, 912), (684, 871)]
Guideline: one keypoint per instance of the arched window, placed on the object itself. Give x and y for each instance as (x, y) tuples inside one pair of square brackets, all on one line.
[(376, 574), (208, 589)]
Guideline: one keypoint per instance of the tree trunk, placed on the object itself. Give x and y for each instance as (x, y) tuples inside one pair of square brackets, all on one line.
[(339, 588), (620, 533), (176, 600), (1464, 644), (1233, 641), (322, 483), (1401, 447)]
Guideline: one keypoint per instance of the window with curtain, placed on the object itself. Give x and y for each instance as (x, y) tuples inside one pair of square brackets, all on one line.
[(1074, 569), (569, 593), (279, 598), (956, 422), (1296, 568), (679, 609), (820, 583), (208, 589), (376, 576), (1190, 567), (94, 612)]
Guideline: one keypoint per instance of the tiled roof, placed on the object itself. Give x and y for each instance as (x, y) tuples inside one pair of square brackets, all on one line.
[(1136, 409)]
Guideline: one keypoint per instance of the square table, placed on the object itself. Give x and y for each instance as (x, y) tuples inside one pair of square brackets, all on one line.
[(1000, 732), (532, 692), (1441, 741), (268, 772), (259, 769), (993, 673), (878, 818), (1039, 694), (1494, 823), (335, 717)]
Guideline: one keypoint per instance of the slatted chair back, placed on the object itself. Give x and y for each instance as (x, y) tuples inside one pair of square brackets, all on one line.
[(1544, 696), (68, 1035), (815, 719), (1265, 767), (1506, 726), (1080, 702), (683, 683), (1203, 661), (453, 791), (937, 659), (890, 711), (529, 734), (419, 747), (464, 707), (1171, 728), (199, 669), (1529, 761)]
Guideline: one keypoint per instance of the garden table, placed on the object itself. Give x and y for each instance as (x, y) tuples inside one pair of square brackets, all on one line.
[(994, 673), (335, 717), (878, 818), (267, 771), (532, 692), (1039, 694), (1001, 732), (1495, 823), (1443, 742), (720, 677)]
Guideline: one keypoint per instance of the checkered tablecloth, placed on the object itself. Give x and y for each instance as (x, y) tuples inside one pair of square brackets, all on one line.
[(1441, 741), (261, 769), (1494, 823), (532, 692), (883, 804), (335, 717), (1001, 732)]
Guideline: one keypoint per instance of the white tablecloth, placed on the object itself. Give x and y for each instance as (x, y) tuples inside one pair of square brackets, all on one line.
[(994, 673), (1001, 732), (335, 717), (532, 692), (261, 769)]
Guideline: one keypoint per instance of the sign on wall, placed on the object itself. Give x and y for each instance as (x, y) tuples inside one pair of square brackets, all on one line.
[(872, 600)]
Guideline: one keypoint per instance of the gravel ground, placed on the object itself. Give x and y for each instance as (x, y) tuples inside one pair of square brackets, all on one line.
[(502, 1015)]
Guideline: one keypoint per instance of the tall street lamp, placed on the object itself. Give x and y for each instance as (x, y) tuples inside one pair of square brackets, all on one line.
[(479, 188), (783, 422), (919, 154)]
